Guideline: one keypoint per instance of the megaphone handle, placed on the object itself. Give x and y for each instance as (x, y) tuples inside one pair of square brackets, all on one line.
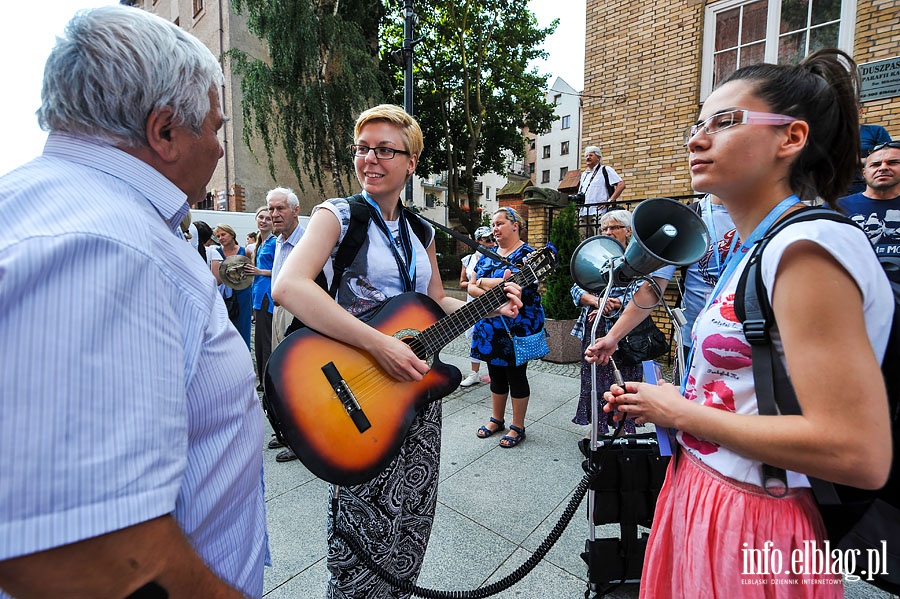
[(595, 404)]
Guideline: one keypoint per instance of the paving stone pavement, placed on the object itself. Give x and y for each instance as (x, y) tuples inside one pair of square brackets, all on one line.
[(495, 505)]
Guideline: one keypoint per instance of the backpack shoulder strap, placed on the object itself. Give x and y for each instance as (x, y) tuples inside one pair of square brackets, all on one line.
[(774, 391), (357, 231), (420, 229), (605, 177), (351, 244)]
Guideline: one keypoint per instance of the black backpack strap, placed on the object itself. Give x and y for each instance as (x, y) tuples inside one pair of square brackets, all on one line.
[(419, 227), (352, 242), (610, 189), (774, 391), (346, 252), (357, 232)]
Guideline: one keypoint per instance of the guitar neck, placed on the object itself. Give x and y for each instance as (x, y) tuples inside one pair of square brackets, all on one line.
[(453, 325)]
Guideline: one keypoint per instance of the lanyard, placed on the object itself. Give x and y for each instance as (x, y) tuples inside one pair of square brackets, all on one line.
[(732, 264), (407, 268)]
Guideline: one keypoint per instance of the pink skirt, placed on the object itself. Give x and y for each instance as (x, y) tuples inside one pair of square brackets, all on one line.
[(713, 536)]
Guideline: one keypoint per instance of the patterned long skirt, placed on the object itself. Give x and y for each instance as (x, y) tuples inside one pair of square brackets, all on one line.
[(390, 516)]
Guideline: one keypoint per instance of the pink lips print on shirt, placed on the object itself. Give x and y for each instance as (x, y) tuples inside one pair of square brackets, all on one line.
[(729, 353), (718, 390), (703, 447)]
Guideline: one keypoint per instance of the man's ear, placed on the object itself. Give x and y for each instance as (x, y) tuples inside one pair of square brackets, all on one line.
[(162, 134)]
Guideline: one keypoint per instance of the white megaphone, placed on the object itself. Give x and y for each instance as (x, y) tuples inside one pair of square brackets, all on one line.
[(663, 231)]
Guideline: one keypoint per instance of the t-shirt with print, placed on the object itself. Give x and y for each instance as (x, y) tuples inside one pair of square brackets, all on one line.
[(373, 277), (721, 374)]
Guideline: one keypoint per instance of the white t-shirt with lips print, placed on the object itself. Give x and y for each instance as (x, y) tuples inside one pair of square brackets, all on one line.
[(721, 375)]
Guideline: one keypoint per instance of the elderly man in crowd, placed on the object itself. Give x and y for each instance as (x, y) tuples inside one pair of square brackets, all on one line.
[(115, 343)]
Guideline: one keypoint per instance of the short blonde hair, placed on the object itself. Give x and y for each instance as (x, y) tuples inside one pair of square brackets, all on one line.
[(227, 229), (396, 116)]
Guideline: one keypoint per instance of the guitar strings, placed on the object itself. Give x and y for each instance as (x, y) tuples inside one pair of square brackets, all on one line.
[(365, 387)]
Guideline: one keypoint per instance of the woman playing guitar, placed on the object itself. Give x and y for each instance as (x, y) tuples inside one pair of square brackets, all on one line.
[(391, 515)]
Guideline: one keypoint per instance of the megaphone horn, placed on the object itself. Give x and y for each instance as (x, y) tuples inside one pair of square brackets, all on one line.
[(663, 231), (593, 262)]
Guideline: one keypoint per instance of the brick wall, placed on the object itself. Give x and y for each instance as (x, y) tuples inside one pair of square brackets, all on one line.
[(878, 37), (642, 84), (642, 79)]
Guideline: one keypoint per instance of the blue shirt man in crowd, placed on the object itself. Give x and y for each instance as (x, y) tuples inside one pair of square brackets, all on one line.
[(115, 343)]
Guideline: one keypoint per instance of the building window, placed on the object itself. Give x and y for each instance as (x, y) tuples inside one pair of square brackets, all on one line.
[(487, 192), (738, 33), (429, 200), (530, 168), (562, 172), (556, 98), (545, 176), (198, 7), (546, 151), (564, 148), (567, 121)]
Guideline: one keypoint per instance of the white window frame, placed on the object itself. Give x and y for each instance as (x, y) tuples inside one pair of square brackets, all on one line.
[(846, 32)]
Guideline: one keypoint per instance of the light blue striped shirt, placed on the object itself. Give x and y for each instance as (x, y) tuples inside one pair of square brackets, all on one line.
[(283, 249), (125, 393)]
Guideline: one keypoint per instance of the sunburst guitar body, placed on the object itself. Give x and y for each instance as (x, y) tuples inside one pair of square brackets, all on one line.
[(342, 415)]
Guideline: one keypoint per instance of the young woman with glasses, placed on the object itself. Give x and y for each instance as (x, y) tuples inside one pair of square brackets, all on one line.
[(769, 138), (391, 515)]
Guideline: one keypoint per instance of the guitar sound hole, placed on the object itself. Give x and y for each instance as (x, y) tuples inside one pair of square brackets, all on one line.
[(411, 338)]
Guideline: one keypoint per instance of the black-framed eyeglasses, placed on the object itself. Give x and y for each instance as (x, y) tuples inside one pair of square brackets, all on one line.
[(609, 228), (887, 144), (381, 152)]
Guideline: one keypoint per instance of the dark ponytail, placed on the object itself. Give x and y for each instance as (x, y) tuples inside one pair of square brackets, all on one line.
[(821, 90)]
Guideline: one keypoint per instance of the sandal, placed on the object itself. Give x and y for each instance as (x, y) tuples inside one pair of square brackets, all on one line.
[(506, 441), (484, 432)]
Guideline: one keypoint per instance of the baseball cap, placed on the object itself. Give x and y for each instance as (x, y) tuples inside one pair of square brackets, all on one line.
[(482, 232)]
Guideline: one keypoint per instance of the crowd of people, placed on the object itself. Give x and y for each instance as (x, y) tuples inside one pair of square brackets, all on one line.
[(150, 353)]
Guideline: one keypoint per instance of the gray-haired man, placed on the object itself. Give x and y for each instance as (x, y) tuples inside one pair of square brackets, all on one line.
[(594, 185), (114, 339)]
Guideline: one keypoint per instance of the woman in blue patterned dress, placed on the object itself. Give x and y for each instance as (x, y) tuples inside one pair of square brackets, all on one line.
[(491, 343)]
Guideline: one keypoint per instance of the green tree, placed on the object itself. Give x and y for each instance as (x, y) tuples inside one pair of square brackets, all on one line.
[(557, 300), (474, 90), (323, 71)]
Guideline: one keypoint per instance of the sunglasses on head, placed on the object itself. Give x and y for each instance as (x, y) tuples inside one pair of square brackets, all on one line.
[(887, 144)]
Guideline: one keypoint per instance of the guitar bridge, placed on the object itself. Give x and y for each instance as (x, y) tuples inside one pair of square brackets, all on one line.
[(346, 397)]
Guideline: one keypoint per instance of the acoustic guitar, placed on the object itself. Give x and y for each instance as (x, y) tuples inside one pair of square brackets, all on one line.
[(342, 415)]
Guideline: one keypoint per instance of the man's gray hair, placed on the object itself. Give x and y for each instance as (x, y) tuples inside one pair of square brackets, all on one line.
[(622, 217), (593, 150), (283, 192), (114, 66)]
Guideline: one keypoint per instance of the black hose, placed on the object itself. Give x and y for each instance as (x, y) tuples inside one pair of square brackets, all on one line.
[(593, 472), (493, 588)]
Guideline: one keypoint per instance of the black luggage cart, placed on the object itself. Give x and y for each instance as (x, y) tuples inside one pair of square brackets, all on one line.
[(625, 492)]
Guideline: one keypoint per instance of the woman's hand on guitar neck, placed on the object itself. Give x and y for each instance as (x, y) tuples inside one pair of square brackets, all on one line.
[(399, 360), (514, 294)]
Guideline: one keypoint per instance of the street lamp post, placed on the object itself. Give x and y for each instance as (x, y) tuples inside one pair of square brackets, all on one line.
[(409, 23)]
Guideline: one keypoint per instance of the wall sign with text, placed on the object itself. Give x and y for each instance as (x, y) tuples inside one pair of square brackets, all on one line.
[(880, 79)]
